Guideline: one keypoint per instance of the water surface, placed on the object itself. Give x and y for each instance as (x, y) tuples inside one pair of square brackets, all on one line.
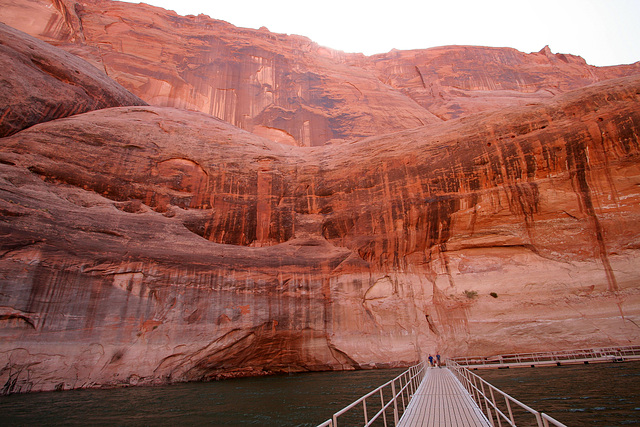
[(293, 400), (602, 394), (583, 395)]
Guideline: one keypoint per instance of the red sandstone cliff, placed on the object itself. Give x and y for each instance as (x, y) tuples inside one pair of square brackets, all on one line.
[(145, 245), (42, 83), (288, 88), (455, 81)]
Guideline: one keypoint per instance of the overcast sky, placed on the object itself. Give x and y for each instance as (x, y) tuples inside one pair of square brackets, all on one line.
[(603, 32)]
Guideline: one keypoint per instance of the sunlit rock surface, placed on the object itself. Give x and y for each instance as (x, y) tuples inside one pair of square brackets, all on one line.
[(149, 244), (454, 81), (288, 88), (141, 248)]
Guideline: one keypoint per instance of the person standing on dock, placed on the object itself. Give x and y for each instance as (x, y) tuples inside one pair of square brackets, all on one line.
[(431, 360), (438, 358)]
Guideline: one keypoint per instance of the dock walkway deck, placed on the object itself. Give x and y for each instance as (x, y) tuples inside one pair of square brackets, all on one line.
[(550, 358), (441, 400), (424, 396)]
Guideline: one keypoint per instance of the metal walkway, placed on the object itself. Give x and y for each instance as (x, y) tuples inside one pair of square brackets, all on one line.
[(441, 400), (549, 358), (452, 396)]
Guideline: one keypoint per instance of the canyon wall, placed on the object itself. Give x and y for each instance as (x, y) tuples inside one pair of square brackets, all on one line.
[(456, 81), (286, 87), (151, 244), (42, 83)]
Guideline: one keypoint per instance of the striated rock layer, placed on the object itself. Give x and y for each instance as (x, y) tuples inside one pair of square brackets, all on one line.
[(287, 88), (455, 81), (41, 83), (147, 245)]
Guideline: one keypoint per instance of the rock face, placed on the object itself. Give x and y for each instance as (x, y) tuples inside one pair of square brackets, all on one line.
[(41, 83), (149, 244), (288, 88), (456, 81)]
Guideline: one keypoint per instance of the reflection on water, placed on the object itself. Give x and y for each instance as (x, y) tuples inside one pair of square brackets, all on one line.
[(603, 394), (597, 394), (294, 400)]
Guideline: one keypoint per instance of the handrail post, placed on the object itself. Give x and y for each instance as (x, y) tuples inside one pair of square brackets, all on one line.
[(402, 393), (407, 388), (395, 403), (495, 406), (510, 411), (413, 384), (477, 392), (486, 404), (364, 405), (384, 413)]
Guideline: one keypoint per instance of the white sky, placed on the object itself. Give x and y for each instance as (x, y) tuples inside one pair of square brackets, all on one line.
[(603, 32)]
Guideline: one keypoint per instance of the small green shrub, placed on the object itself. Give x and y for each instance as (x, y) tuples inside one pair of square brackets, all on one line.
[(471, 294), (493, 294)]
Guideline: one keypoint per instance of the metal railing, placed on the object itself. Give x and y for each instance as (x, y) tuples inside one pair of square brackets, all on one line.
[(398, 392), (503, 410), (601, 354)]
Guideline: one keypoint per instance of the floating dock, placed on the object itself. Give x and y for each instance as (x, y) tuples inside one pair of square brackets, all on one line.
[(441, 400), (438, 396), (551, 358)]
